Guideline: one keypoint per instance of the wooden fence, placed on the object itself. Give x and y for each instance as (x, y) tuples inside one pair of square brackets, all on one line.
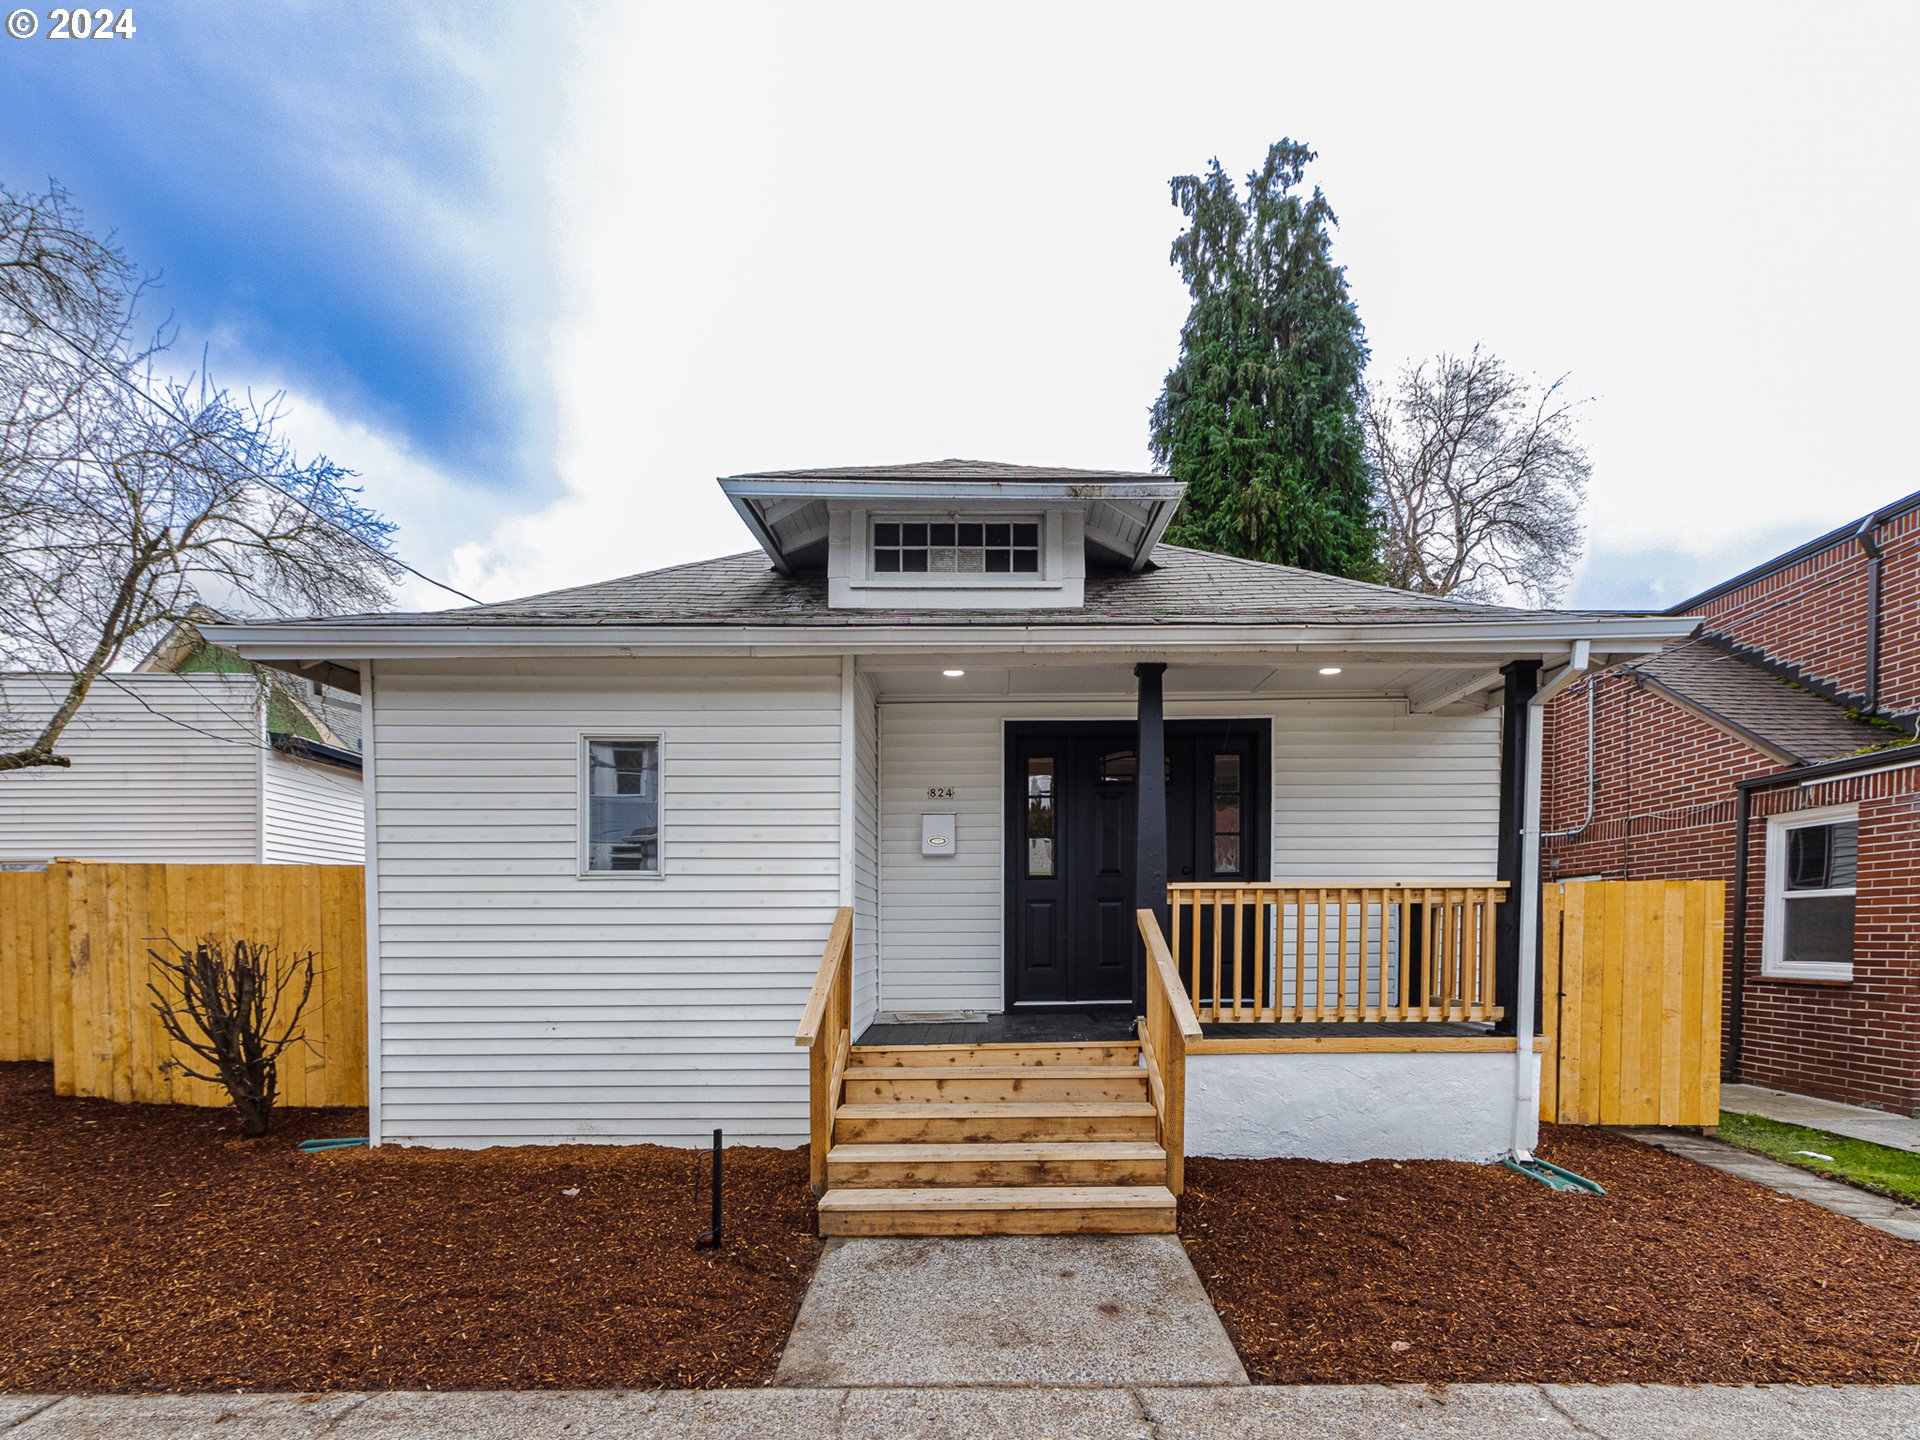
[(73, 960), (1631, 990), (26, 972)]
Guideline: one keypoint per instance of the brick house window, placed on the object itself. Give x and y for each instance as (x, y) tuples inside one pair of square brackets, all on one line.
[(1812, 860)]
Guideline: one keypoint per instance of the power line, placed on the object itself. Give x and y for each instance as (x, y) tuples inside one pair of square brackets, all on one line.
[(147, 395)]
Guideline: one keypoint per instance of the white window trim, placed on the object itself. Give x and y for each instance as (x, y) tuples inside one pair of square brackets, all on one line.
[(1774, 926), (582, 763), (862, 576)]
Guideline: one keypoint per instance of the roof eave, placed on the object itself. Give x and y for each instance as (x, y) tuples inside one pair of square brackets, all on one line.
[(1157, 523), (750, 514), (348, 643)]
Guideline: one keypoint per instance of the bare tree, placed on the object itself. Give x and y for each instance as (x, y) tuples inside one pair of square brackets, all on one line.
[(223, 1004), (1479, 477), (125, 497)]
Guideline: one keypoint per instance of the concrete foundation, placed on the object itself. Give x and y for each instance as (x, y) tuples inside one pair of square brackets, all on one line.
[(1342, 1107)]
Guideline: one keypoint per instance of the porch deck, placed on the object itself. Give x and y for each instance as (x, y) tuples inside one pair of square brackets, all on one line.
[(1068, 1026)]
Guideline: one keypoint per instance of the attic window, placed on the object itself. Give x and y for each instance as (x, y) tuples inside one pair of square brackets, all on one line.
[(956, 547)]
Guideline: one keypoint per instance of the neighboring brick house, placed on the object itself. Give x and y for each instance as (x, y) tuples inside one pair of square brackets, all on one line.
[(1785, 716)]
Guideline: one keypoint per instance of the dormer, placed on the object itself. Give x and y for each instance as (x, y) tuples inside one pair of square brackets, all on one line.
[(954, 534)]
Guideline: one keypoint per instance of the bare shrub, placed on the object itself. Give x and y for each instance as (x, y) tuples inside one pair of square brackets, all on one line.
[(224, 1005)]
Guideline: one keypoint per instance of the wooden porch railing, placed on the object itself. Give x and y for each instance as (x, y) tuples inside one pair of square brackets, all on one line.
[(825, 1029), (1164, 1032), (1266, 953)]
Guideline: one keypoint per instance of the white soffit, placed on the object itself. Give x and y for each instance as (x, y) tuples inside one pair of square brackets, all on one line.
[(786, 517)]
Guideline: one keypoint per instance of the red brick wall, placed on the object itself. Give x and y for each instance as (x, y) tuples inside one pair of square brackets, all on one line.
[(1812, 616), (1664, 808), (1857, 1041)]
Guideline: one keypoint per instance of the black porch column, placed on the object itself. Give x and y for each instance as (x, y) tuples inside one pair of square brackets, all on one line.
[(1150, 816), (1523, 679)]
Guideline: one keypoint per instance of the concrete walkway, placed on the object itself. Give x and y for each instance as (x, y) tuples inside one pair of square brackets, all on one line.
[(1899, 1132), (1332, 1412), (1008, 1310), (1869, 1209)]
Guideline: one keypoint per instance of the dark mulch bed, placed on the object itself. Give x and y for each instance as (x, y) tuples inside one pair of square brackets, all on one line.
[(148, 1247), (1439, 1273)]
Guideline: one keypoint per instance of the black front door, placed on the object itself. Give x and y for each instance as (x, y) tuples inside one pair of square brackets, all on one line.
[(1070, 844)]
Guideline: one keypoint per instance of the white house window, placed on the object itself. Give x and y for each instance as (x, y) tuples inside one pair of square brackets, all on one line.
[(1812, 859), (956, 547), (622, 807)]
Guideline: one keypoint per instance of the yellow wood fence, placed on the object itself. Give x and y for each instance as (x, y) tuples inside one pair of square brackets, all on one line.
[(26, 973), (74, 971), (1631, 991)]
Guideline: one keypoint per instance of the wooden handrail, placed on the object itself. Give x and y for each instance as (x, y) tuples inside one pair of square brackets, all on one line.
[(839, 942), (1160, 959), (825, 1029), (1270, 953), (1170, 1022)]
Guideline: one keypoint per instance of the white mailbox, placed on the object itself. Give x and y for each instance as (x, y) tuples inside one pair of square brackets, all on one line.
[(936, 834)]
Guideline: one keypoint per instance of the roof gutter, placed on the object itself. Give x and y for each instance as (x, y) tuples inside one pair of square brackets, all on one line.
[(1893, 757), (1799, 552), (302, 748), (1876, 558)]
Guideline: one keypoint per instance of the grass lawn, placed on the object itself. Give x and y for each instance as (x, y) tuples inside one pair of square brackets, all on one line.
[(1436, 1272), (1858, 1162), (148, 1247)]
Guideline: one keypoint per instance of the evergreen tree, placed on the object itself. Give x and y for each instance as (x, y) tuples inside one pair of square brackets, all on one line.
[(1261, 416)]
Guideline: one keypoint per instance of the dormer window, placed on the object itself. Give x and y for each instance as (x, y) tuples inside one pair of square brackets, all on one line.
[(1009, 546)]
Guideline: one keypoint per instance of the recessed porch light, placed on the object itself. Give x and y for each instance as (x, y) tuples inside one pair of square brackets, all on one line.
[(1329, 669), (953, 674)]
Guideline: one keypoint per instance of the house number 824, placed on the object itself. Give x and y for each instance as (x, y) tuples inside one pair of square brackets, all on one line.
[(940, 792)]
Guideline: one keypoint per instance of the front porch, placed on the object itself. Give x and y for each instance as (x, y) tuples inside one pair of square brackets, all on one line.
[(1078, 1119), (1117, 912)]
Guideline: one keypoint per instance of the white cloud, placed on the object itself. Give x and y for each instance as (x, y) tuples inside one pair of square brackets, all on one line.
[(784, 236)]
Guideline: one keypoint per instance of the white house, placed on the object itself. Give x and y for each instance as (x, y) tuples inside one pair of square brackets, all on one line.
[(611, 828), (181, 768)]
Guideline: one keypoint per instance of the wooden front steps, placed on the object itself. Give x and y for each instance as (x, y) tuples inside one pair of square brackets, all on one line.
[(995, 1140)]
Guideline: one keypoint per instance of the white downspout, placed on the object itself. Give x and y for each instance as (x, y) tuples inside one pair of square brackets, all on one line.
[(1526, 1073)]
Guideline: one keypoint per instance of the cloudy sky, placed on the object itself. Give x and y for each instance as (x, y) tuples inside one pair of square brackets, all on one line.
[(540, 272)]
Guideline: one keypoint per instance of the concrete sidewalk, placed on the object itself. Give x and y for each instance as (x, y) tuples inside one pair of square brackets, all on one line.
[(1880, 1127), (1333, 1412), (1776, 1175), (1006, 1310)]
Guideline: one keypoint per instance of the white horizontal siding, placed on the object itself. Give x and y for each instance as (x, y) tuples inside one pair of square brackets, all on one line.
[(314, 814), (522, 1002), (1365, 791), (165, 768), (1362, 791)]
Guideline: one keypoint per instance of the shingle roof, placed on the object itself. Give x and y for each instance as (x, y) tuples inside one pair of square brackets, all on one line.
[(956, 470), (1804, 726), (1183, 587)]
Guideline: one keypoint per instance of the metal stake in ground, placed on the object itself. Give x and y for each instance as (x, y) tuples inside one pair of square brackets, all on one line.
[(711, 1239)]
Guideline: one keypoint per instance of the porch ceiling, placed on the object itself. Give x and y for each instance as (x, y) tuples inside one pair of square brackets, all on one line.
[(1426, 683)]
